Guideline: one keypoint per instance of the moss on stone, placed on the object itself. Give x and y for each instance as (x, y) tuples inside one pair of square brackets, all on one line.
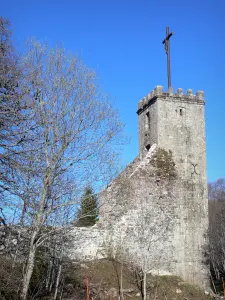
[(164, 164)]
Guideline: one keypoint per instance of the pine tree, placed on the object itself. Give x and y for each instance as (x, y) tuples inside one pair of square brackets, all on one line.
[(87, 215)]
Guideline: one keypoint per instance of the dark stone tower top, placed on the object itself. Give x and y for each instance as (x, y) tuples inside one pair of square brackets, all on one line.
[(176, 122), (179, 96)]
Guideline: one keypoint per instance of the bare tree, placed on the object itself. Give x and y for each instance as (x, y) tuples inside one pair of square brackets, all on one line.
[(15, 117), (217, 227), (10, 100), (71, 139), (216, 190)]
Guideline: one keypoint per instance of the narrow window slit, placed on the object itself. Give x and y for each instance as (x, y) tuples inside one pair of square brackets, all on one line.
[(148, 120)]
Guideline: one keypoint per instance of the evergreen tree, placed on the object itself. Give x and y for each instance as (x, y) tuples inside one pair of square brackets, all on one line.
[(87, 215)]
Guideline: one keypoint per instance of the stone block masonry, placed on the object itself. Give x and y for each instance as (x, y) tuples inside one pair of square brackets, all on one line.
[(157, 219)]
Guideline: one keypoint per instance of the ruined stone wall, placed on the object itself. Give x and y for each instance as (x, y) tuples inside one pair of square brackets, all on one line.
[(86, 243), (153, 220), (161, 226), (148, 221)]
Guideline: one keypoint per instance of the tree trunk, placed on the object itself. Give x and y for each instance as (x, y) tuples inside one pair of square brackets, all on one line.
[(61, 295), (23, 214), (49, 274), (52, 279), (144, 286), (57, 280), (28, 271), (38, 221), (29, 265), (121, 282)]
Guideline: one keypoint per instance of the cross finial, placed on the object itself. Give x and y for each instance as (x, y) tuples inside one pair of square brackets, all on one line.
[(166, 41)]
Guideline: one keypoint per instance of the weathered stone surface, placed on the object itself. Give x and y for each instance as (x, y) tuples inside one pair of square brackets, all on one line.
[(87, 243), (158, 223)]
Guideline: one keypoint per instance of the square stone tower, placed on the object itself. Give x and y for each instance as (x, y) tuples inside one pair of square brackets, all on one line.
[(176, 122)]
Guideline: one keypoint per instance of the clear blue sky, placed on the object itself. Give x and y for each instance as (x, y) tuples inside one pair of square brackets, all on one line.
[(122, 40)]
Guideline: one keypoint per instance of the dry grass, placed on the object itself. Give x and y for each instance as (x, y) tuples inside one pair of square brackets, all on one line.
[(102, 278)]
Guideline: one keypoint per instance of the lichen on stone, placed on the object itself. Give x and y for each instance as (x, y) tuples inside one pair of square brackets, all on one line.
[(164, 164)]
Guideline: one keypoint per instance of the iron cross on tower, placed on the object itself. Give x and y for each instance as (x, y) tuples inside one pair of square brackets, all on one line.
[(166, 41)]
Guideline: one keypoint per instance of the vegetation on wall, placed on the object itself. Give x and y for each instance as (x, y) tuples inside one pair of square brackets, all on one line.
[(164, 164)]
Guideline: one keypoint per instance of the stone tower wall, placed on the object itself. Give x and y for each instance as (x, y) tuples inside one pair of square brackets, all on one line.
[(179, 124), (176, 122)]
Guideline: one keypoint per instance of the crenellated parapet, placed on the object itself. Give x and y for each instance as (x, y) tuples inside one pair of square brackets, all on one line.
[(178, 96)]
